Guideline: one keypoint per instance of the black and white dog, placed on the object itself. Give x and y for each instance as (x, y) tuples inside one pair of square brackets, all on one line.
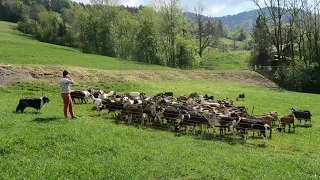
[(36, 103)]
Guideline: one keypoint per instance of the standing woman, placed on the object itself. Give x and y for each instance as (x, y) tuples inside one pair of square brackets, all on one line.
[(65, 82)]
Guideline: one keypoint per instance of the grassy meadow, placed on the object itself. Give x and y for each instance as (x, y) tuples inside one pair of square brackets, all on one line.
[(47, 146), (231, 60), (17, 48), (215, 59)]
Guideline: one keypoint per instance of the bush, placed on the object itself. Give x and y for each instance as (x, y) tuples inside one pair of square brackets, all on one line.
[(301, 77), (26, 26)]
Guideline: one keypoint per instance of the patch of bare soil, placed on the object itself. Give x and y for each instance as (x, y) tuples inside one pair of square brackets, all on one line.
[(9, 75), (51, 75)]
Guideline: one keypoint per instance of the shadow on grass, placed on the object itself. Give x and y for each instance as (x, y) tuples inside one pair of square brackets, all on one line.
[(21, 34), (304, 125), (277, 89), (46, 119), (264, 145), (26, 112), (197, 135), (287, 131), (210, 137)]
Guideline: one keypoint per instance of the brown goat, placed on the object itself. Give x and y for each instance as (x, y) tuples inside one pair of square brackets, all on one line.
[(193, 95), (266, 119), (286, 119), (182, 97)]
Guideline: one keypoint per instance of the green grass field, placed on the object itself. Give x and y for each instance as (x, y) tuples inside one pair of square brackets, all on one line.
[(17, 48), (231, 60), (215, 59), (46, 146)]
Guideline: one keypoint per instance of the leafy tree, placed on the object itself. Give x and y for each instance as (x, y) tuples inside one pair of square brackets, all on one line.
[(242, 35), (146, 39)]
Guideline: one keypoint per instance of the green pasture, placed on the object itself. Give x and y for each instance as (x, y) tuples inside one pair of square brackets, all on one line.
[(46, 146), (230, 60), (17, 48)]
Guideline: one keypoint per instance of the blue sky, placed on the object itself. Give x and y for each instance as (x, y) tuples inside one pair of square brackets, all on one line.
[(214, 8)]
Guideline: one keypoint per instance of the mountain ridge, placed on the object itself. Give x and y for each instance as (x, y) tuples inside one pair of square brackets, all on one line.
[(243, 20)]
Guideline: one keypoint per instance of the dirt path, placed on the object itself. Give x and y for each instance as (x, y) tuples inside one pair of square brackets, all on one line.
[(51, 75)]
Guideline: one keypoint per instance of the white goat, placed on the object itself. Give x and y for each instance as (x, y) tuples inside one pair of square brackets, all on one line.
[(104, 96), (97, 102), (219, 121), (135, 95), (87, 95)]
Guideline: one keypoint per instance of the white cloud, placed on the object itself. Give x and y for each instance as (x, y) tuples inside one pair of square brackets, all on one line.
[(212, 7)]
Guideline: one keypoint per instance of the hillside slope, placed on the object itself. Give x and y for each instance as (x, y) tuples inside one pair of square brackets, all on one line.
[(50, 74), (17, 48), (31, 60)]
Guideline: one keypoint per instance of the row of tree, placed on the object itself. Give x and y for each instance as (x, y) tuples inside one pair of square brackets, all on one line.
[(286, 35), (152, 34)]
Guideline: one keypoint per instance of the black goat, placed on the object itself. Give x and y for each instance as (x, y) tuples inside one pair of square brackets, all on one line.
[(207, 97), (111, 106), (241, 96), (193, 118), (168, 94), (302, 115), (78, 95), (254, 125)]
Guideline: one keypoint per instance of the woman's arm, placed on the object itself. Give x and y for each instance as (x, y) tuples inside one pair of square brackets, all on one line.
[(70, 79)]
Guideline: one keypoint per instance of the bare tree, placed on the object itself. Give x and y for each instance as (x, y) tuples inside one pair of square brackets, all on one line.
[(206, 31), (274, 14)]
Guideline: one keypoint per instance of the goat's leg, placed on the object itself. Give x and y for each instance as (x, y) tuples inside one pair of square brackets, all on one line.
[(107, 114), (294, 127), (264, 136), (130, 119), (244, 136), (233, 132), (214, 131), (289, 127), (142, 120), (98, 111)]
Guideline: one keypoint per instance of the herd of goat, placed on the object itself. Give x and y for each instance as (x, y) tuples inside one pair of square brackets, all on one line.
[(187, 111)]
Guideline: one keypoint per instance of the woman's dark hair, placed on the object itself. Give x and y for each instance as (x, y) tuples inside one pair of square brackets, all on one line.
[(65, 73)]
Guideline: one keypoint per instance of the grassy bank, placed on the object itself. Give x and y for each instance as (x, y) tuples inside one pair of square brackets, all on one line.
[(17, 48)]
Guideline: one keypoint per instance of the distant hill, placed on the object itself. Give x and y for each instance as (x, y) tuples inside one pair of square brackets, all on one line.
[(245, 20)]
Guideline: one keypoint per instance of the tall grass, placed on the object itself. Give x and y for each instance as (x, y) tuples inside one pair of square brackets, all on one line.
[(46, 146)]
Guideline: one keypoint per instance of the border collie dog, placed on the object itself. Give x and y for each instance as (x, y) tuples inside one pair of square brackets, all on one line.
[(36, 103)]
